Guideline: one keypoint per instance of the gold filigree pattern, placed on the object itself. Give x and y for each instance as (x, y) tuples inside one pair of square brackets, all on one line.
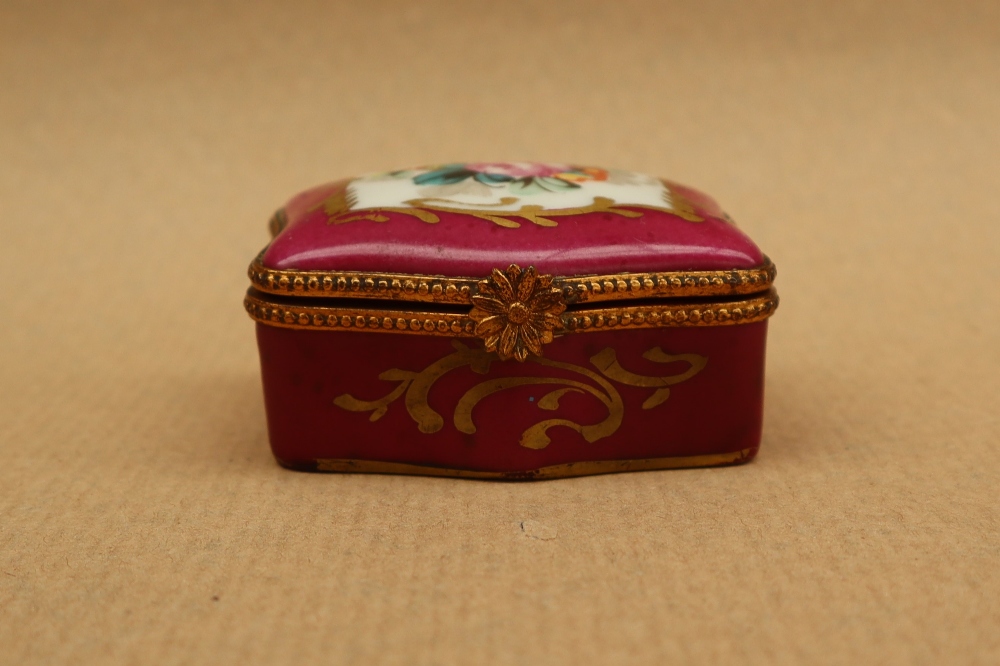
[(516, 311), (278, 222), (339, 209), (416, 386), (679, 204), (535, 214)]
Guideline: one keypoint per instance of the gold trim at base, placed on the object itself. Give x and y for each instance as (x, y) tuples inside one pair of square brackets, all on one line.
[(586, 468)]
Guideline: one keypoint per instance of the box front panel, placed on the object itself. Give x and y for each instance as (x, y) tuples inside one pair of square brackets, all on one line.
[(445, 403)]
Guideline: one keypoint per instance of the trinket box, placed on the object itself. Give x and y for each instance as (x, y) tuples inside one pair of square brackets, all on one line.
[(510, 320)]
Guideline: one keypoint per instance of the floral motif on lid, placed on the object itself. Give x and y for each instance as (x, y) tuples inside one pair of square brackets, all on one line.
[(524, 178), (505, 193), (466, 218)]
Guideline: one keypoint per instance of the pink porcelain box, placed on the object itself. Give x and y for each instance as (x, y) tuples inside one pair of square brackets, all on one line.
[(511, 321)]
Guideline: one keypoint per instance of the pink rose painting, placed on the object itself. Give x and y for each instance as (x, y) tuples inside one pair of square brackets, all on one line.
[(519, 178)]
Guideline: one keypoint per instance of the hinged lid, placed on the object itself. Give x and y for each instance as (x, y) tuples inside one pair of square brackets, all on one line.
[(459, 234), (603, 234)]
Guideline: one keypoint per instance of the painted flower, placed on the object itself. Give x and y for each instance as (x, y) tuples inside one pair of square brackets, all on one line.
[(523, 178), (516, 312), (518, 169)]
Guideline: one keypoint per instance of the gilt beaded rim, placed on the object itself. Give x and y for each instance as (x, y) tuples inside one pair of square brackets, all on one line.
[(462, 325), (514, 311), (460, 290)]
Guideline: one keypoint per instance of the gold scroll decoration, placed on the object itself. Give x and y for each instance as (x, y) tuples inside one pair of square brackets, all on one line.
[(339, 209), (414, 387)]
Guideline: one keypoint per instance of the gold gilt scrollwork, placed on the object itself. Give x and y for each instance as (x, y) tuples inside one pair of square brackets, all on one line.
[(416, 386), (339, 209), (532, 213)]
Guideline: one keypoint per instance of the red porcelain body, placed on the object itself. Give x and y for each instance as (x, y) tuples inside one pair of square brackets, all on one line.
[(510, 320), (716, 411)]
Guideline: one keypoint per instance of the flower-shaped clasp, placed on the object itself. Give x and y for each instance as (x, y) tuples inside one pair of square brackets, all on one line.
[(516, 312)]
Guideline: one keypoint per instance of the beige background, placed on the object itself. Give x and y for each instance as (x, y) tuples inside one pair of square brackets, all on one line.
[(142, 519)]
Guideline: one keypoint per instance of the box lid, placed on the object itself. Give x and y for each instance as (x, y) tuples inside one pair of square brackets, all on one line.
[(585, 225), (458, 235)]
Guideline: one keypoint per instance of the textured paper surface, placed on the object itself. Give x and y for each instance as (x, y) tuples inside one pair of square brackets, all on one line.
[(142, 519)]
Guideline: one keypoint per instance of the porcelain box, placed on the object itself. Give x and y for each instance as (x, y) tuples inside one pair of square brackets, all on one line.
[(510, 320)]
